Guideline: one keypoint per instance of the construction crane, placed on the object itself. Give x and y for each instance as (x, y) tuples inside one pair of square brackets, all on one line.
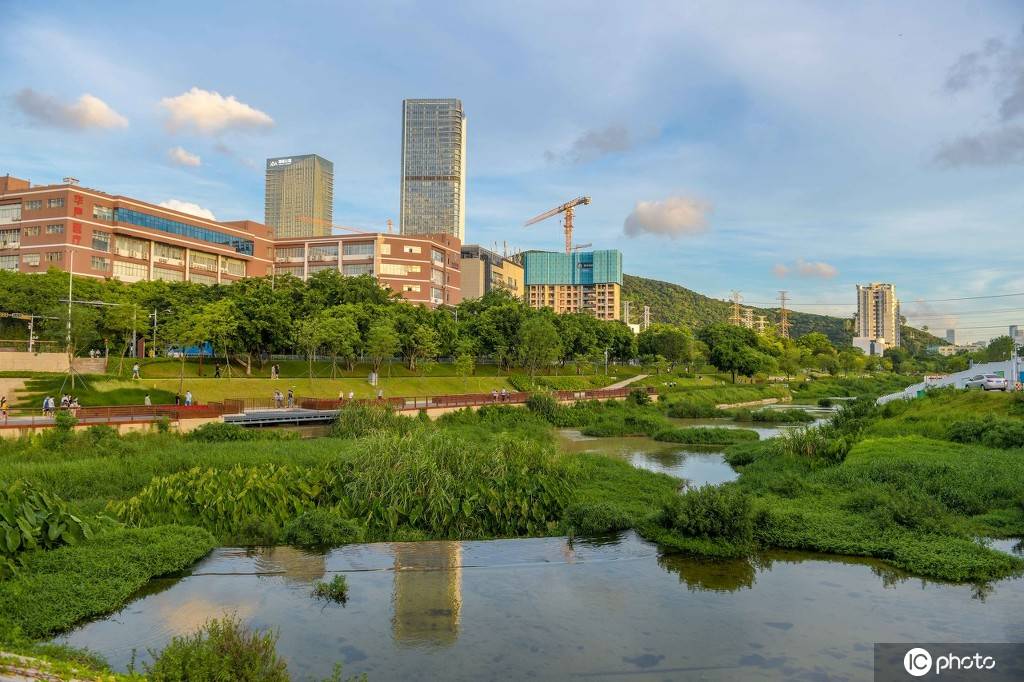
[(566, 208), (321, 221), (580, 247)]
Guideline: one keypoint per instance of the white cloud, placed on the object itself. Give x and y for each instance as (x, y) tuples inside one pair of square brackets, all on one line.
[(806, 268), (86, 113), (188, 207), (673, 217), (182, 157), (209, 113)]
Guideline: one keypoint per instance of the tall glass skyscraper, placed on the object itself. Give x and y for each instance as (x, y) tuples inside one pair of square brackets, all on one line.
[(433, 167), (299, 188)]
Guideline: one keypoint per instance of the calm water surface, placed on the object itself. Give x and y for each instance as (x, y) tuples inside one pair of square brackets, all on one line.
[(551, 609)]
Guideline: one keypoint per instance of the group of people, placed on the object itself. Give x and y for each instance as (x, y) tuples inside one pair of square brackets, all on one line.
[(95, 353), (177, 398), (279, 397), (275, 371), (495, 395), (67, 402)]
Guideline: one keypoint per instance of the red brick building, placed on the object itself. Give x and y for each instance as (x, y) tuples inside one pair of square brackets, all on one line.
[(95, 234)]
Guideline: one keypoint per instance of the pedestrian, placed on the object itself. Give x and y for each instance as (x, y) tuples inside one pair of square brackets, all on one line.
[(380, 394), (216, 372), (494, 395), (351, 395), (275, 372), (46, 405), (177, 399), (3, 408), (188, 398), (504, 395), (135, 371), (278, 398), (147, 401), (291, 398)]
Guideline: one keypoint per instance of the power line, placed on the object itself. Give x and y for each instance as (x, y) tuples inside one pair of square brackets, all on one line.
[(916, 300)]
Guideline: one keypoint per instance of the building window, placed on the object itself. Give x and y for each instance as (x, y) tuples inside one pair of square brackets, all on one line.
[(131, 247), (10, 213), (322, 253), (437, 256), (363, 249), (232, 266), (435, 295), (202, 279), (400, 269), (385, 249), (101, 241), (54, 256), (294, 270), (103, 213), (125, 215), (289, 253), (313, 269), (130, 272), (55, 203), (166, 253), (57, 228), (357, 269), (415, 288), (411, 249), (30, 259), (30, 231), (10, 239), (204, 261), (33, 205), (8, 263), (168, 275), (100, 263), (437, 277)]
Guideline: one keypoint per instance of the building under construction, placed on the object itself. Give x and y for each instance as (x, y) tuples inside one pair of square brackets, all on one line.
[(580, 281)]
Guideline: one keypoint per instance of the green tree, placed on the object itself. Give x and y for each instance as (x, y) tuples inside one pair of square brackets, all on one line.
[(309, 338), (851, 360), (382, 342), (184, 330), (422, 343), (339, 333), (733, 349), (465, 361), (539, 345), (220, 320), (673, 343)]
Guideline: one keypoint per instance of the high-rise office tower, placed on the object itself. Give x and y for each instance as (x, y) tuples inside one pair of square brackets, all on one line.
[(951, 337), (299, 196), (433, 167), (878, 318)]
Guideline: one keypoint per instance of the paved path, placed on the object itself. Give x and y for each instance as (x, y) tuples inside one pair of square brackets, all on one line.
[(627, 382)]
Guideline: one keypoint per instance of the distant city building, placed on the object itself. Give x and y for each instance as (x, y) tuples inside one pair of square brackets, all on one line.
[(433, 191), (422, 269), (951, 336), (584, 281), (877, 325), (1016, 334), (299, 200), (484, 271)]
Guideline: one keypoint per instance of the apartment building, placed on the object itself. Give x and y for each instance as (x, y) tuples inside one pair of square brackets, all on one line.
[(423, 269), (484, 271), (95, 234), (877, 326), (586, 281)]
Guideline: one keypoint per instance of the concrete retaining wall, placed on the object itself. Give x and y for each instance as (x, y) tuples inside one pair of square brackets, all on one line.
[(18, 361)]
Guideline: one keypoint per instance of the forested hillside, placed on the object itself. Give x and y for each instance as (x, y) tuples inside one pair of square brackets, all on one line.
[(671, 303)]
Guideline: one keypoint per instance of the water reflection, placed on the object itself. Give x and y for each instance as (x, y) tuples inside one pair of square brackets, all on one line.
[(546, 608), (427, 596)]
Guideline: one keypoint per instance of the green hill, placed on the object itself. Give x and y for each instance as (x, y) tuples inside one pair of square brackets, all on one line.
[(674, 304)]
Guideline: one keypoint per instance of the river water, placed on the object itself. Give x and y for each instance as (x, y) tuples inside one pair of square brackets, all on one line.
[(555, 609)]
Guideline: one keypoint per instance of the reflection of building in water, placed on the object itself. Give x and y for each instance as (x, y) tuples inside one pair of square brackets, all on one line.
[(294, 564), (427, 595)]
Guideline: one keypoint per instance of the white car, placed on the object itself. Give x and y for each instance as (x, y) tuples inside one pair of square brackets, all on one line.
[(987, 382)]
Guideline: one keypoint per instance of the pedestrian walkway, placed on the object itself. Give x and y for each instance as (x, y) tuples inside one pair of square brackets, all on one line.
[(627, 382)]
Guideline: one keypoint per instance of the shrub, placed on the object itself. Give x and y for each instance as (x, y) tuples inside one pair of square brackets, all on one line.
[(223, 650), (322, 528), (437, 483), (705, 436), (741, 454), (691, 409), (32, 519), (788, 416), (595, 518), (710, 512), (825, 402), (358, 420), (229, 502), (221, 432), (163, 425), (638, 396), (993, 432), (543, 404), (334, 590), (824, 444)]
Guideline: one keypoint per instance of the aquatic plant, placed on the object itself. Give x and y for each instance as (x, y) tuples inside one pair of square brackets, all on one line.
[(224, 649), (335, 589), (595, 518), (34, 519), (322, 527), (357, 420)]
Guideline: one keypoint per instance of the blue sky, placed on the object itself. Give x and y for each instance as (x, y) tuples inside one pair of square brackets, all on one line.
[(751, 146)]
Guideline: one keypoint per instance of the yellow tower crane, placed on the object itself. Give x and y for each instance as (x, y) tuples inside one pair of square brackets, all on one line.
[(566, 208)]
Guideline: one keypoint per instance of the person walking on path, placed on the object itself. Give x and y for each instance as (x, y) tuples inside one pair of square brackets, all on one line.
[(351, 396), (380, 394), (216, 372), (177, 399), (291, 398), (3, 408), (135, 371), (278, 399), (188, 398), (147, 401)]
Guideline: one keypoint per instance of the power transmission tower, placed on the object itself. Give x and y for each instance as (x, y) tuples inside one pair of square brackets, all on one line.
[(761, 324), (735, 317), (748, 318), (783, 316)]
